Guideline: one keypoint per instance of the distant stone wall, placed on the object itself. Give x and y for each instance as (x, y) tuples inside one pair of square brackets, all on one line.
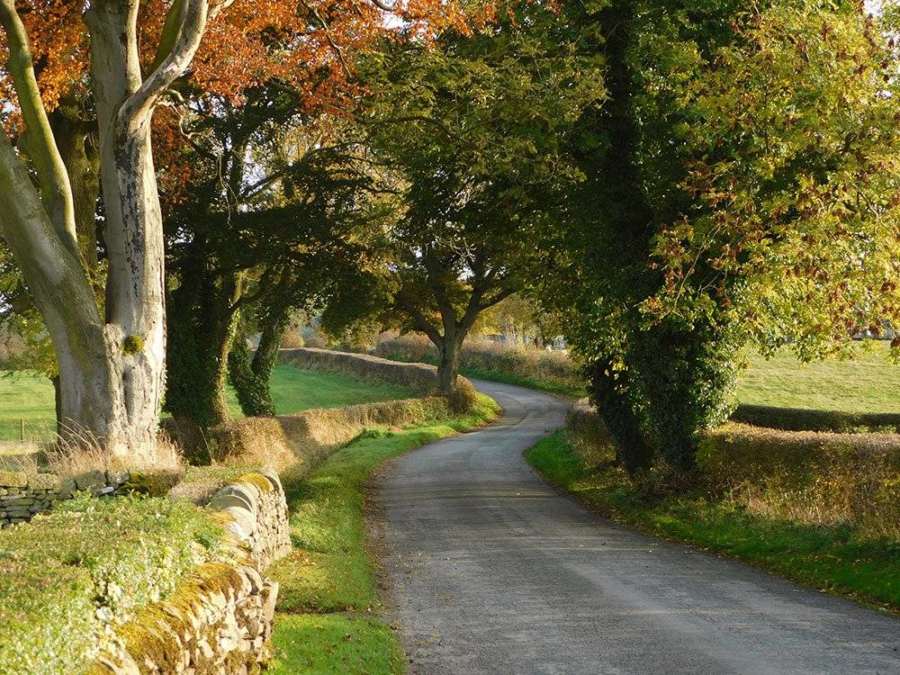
[(220, 619), (419, 377), (23, 495)]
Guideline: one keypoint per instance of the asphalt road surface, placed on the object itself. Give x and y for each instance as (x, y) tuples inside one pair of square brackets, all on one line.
[(489, 570)]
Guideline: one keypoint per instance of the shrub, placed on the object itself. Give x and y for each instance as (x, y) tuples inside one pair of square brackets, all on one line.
[(802, 419), (68, 576)]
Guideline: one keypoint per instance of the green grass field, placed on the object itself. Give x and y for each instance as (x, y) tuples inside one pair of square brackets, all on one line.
[(27, 397), (869, 383)]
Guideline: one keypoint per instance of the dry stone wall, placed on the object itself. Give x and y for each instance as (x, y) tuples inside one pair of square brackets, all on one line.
[(220, 619), (23, 495), (419, 377)]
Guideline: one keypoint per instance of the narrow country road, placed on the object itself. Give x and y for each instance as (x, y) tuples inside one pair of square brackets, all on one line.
[(491, 571)]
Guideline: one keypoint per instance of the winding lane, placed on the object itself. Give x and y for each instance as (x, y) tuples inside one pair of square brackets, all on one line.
[(489, 570)]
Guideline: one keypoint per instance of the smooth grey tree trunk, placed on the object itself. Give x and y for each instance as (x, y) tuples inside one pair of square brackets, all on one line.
[(111, 368)]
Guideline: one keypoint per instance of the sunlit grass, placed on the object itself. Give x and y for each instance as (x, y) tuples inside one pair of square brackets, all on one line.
[(870, 383)]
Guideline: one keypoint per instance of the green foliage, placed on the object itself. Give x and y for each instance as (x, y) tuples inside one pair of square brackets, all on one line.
[(740, 187), (831, 557), (792, 155), (473, 130), (89, 563)]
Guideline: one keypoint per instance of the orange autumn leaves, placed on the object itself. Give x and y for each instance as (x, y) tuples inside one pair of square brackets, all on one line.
[(309, 45)]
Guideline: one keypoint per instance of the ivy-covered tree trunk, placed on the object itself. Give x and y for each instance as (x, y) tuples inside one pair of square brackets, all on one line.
[(202, 322), (609, 394), (251, 375)]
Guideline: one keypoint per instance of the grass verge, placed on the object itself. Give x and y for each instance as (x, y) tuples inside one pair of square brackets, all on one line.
[(328, 602), (830, 558), (550, 386)]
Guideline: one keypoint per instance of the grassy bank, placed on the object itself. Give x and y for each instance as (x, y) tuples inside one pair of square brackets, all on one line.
[(328, 603), (28, 397), (836, 558)]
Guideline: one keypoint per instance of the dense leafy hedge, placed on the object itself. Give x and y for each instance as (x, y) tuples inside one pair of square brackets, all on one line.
[(68, 576), (802, 419)]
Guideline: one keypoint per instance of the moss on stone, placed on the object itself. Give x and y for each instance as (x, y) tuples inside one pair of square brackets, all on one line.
[(13, 478), (153, 484), (257, 480), (153, 633)]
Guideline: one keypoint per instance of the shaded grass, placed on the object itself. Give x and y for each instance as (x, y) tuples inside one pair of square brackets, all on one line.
[(29, 396), (328, 583), (831, 558)]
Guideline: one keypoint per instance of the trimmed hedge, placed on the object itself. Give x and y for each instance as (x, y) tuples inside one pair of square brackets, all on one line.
[(807, 477), (802, 419), (70, 575)]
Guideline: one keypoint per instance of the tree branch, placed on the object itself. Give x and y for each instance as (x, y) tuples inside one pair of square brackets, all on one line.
[(135, 109), (56, 191)]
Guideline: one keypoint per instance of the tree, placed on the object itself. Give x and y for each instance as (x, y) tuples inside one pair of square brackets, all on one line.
[(110, 360), (110, 350), (473, 129), (280, 234), (729, 152)]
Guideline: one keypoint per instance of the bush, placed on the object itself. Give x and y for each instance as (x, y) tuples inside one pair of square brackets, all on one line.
[(802, 419), (68, 576)]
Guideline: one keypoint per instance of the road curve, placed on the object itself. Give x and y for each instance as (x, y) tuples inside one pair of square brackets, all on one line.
[(488, 570)]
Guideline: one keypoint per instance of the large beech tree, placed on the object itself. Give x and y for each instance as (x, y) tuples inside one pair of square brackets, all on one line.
[(110, 357), (473, 129)]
